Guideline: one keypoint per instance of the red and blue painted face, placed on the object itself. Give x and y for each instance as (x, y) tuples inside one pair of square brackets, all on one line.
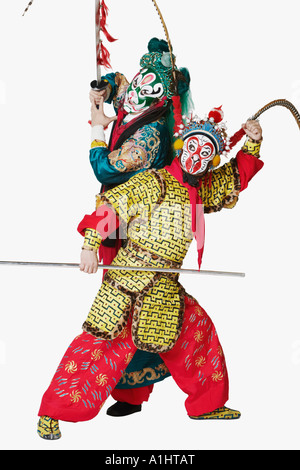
[(198, 151), (142, 91)]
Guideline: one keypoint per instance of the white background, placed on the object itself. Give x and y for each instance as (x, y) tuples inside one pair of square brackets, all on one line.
[(241, 55)]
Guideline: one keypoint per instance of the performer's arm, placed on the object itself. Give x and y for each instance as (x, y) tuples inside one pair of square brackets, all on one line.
[(88, 261), (248, 158), (147, 148), (114, 92), (222, 188), (95, 228)]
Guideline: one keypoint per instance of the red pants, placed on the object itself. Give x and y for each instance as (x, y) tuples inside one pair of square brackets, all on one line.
[(134, 396), (91, 368)]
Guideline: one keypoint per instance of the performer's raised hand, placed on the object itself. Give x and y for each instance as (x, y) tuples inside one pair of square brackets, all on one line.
[(253, 130), (96, 95), (97, 114), (88, 261)]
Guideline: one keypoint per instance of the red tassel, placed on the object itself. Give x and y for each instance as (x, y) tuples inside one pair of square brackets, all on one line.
[(177, 113), (236, 138), (107, 35), (104, 58), (103, 12), (104, 9)]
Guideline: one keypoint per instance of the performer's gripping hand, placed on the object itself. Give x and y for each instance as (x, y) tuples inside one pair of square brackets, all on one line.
[(88, 261), (253, 130), (98, 117), (95, 96)]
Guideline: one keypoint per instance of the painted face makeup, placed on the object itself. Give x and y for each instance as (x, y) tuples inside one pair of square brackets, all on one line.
[(142, 91), (198, 151)]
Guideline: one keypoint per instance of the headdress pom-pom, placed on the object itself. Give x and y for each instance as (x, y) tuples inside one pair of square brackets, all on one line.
[(178, 144), (216, 114)]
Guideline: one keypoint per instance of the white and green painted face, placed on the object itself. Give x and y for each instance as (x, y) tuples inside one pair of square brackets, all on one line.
[(142, 91)]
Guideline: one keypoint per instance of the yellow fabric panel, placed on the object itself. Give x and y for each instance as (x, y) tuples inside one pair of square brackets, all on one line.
[(223, 190), (252, 148), (92, 240), (167, 232), (109, 310), (159, 317), (134, 281), (139, 194), (155, 218)]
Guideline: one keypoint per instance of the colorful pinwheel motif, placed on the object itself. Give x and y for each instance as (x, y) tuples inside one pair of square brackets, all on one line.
[(200, 361), (217, 376), (97, 354), (198, 336), (75, 396), (101, 379), (71, 367)]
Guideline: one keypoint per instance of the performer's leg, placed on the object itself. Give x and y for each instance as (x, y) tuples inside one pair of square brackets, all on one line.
[(86, 376), (137, 382), (129, 400), (197, 364), (134, 396)]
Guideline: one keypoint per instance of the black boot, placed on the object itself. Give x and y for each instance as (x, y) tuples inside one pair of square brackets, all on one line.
[(123, 409)]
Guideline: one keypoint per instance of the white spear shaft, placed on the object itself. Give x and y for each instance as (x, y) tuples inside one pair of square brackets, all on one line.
[(124, 268)]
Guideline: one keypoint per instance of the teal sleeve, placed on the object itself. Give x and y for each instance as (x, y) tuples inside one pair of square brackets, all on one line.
[(158, 155), (104, 171)]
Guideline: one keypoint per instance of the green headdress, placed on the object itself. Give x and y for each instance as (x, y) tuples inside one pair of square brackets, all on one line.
[(176, 81), (158, 60)]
